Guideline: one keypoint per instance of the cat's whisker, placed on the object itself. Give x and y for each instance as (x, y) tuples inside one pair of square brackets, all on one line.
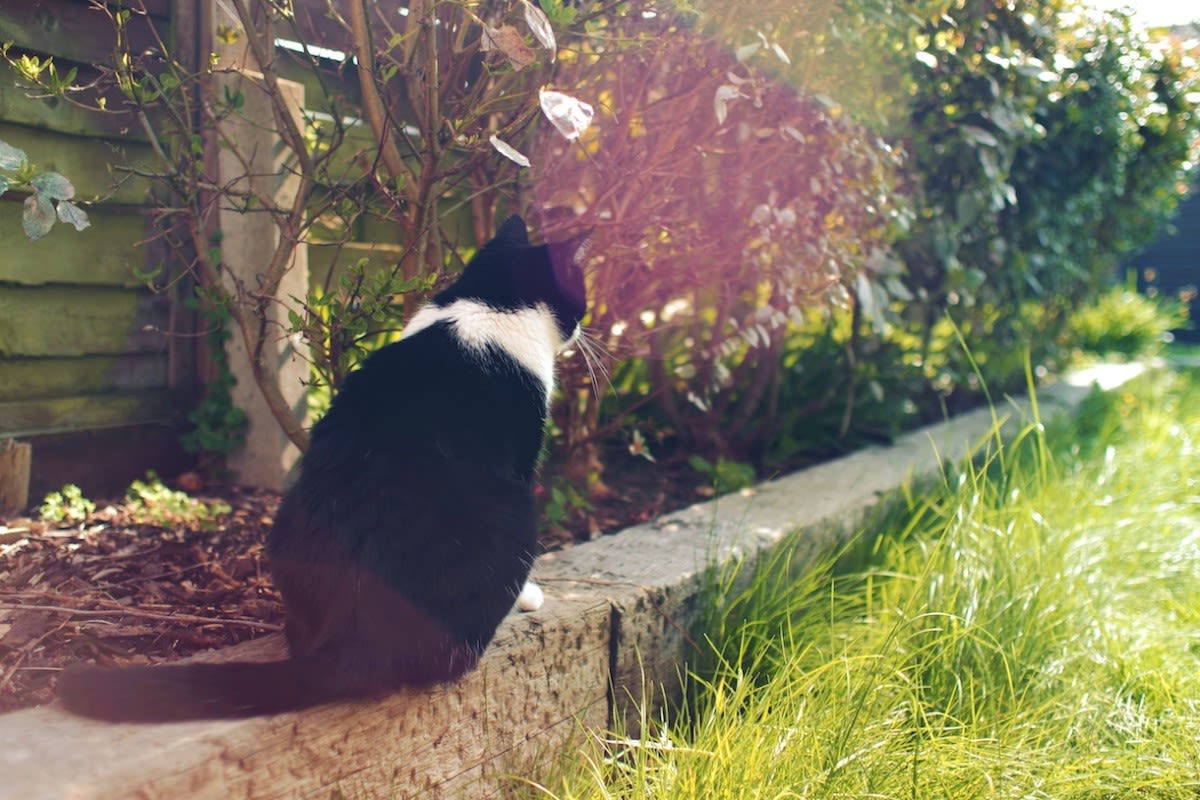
[(605, 356), (587, 363), (581, 349), (589, 346), (597, 344)]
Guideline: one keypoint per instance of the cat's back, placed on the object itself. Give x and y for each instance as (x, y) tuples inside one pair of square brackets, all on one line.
[(431, 386), (423, 413)]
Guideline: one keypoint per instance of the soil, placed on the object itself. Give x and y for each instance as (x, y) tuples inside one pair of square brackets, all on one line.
[(116, 589)]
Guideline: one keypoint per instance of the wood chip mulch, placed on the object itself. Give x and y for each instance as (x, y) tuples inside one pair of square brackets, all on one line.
[(112, 591)]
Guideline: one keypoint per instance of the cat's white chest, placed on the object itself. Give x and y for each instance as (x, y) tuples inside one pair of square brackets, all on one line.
[(528, 336)]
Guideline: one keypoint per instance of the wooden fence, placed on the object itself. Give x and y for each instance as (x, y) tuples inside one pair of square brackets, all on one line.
[(96, 369)]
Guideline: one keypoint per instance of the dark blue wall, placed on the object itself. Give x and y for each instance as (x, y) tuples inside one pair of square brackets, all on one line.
[(1171, 265)]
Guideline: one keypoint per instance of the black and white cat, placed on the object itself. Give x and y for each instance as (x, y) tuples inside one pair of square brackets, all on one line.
[(411, 529)]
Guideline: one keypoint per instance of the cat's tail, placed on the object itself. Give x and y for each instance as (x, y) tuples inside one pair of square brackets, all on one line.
[(197, 691)]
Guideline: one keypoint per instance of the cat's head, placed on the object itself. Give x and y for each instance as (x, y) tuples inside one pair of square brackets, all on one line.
[(510, 273)]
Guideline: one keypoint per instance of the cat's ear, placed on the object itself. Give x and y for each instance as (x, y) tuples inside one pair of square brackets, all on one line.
[(566, 260), (514, 231), (571, 253)]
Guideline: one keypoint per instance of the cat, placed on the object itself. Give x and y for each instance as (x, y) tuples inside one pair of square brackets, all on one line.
[(411, 528)]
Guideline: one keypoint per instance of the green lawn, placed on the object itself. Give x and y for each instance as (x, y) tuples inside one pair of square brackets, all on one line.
[(1028, 627)]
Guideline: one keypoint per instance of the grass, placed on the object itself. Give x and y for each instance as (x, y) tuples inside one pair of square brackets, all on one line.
[(1026, 627)]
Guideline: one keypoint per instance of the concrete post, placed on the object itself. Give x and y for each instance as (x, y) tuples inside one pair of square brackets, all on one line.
[(249, 239)]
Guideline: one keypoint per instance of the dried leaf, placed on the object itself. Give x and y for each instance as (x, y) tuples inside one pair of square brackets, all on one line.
[(725, 94), (794, 133), (4, 184), (539, 23), (747, 50), (26, 626), (508, 151), (39, 216), (508, 40), (570, 116)]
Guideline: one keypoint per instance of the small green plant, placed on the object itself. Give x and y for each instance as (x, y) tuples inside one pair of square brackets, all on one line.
[(151, 502), (66, 505), (726, 475), (1125, 323), (563, 501), (220, 426), (50, 194)]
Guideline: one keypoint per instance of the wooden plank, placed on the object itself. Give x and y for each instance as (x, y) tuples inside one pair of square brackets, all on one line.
[(313, 23), (102, 255), (92, 165), (540, 685), (56, 114), (342, 84), (74, 30), (155, 8), (74, 321), (32, 378), (85, 412), (15, 461), (102, 462)]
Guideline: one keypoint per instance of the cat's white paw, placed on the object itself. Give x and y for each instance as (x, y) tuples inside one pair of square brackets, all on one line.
[(531, 597)]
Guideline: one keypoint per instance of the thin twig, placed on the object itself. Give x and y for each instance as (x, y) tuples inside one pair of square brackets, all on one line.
[(133, 612), (372, 103)]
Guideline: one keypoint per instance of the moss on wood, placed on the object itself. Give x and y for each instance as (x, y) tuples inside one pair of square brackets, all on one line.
[(75, 321)]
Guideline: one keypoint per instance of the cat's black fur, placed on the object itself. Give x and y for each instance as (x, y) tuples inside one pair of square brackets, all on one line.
[(411, 527)]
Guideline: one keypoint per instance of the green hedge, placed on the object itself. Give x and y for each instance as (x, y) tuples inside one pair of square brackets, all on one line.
[(1017, 151)]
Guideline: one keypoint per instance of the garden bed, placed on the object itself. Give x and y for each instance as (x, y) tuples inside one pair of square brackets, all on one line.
[(124, 586), (616, 624)]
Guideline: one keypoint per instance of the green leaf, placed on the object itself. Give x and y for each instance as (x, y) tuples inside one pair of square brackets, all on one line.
[(11, 157), (145, 276), (558, 12), (38, 218), (72, 214), (980, 136), (53, 186)]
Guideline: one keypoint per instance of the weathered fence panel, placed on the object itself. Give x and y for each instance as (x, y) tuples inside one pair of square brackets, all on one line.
[(85, 345)]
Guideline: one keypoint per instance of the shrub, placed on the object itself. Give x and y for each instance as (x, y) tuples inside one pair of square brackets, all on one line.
[(1123, 322)]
